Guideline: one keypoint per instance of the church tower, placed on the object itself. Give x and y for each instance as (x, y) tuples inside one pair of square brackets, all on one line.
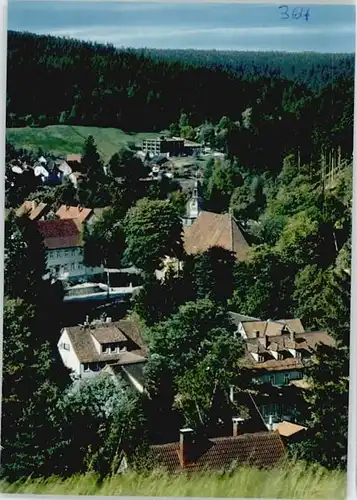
[(193, 207)]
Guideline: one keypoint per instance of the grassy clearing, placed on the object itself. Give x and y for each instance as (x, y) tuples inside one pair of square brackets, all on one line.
[(290, 481), (64, 139)]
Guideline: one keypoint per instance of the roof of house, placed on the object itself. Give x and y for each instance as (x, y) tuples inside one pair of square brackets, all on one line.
[(272, 328), (306, 341), (210, 230), (287, 429), (238, 318), (262, 449), (108, 333), (63, 167), (83, 345), (68, 212), (60, 233), (33, 210), (74, 158)]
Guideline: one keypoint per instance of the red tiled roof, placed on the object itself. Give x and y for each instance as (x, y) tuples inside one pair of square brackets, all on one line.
[(58, 233), (210, 230), (261, 449)]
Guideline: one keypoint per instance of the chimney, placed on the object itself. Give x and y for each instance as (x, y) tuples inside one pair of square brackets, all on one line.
[(108, 320), (185, 446), (236, 421), (263, 339)]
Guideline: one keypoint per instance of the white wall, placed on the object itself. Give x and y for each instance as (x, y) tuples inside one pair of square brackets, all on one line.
[(68, 355), (70, 262)]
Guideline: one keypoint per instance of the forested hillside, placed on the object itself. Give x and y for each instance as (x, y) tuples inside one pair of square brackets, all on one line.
[(72, 82), (312, 69)]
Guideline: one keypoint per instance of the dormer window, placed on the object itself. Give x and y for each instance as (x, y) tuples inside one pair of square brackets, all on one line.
[(280, 356), (260, 358), (298, 354)]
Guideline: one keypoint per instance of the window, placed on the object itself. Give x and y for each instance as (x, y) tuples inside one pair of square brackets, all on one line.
[(74, 252), (65, 267), (65, 346), (272, 379), (66, 252), (260, 358), (106, 349), (86, 367), (113, 348), (73, 266), (58, 254), (298, 354), (286, 379)]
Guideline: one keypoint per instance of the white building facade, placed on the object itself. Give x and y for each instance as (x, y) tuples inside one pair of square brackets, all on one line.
[(68, 264)]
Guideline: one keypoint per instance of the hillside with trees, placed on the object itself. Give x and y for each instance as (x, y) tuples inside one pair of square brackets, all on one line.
[(286, 176), (72, 82)]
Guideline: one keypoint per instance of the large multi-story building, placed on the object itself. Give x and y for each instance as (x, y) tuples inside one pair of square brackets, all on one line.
[(63, 242), (164, 145)]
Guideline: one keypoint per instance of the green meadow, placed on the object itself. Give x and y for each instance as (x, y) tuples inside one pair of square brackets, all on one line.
[(65, 139), (295, 481)]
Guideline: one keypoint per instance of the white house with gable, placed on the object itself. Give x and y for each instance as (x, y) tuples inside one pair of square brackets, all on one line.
[(87, 349)]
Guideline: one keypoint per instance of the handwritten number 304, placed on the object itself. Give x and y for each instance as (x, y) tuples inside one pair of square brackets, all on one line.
[(296, 13)]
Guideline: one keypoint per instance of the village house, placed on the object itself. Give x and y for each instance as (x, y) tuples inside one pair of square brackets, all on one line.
[(33, 210), (74, 161), (87, 349), (215, 230), (277, 353), (290, 433), (197, 453), (64, 169), (82, 214), (63, 242)]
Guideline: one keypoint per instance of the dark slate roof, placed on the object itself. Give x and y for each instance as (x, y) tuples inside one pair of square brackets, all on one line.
[(261, 449)]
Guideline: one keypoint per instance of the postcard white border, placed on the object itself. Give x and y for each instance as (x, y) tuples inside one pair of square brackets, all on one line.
[(352, 423)]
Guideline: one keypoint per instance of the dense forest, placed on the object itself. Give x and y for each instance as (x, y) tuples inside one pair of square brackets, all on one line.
[(313, 69), (72, 82)]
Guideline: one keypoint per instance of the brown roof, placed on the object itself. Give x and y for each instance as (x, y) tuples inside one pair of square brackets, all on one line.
[(272, 328), (288, 429), (80, 213), (86, 352), (210, 230), (262, 449), (58, 233), (108, 333), (74, 158), (33, 210), (307, 341)]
